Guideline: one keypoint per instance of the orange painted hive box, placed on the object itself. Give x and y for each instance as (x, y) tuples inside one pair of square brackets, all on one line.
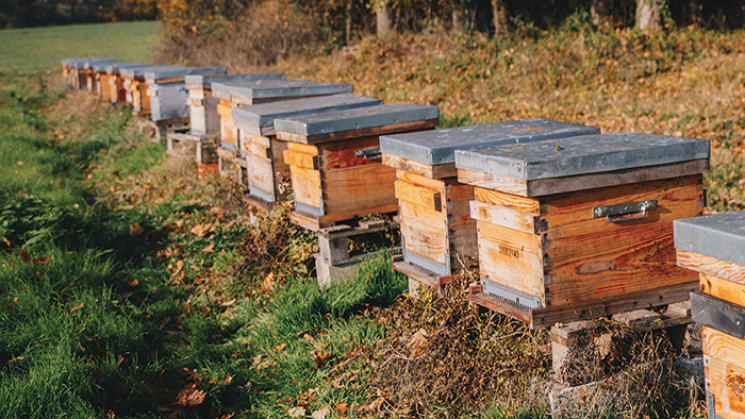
[(582, 227), (714, 246), (335, 162)]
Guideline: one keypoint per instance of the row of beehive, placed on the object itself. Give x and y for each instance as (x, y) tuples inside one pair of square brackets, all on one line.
[(563, 222)]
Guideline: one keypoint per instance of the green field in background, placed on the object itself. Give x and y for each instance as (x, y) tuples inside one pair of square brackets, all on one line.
[(33, 49)]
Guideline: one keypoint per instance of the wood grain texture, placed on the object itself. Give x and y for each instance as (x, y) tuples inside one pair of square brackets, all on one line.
[(511, 258), (593, 258), (357, 133), (519, 203), (303, 148), (306, 184), (711, 266), (424, 231), (417, 195), (505, 217), (260, 173), (718, 314), (723, 289), (301, 160), (439, 171), (726, 383), (359, 190)]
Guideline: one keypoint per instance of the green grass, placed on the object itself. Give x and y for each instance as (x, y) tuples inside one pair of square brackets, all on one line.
[(36, 49)]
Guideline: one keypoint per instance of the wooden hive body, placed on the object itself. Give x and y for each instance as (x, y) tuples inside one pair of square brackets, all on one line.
[(77, 70), (267, 173), (547, 251), (136, 87), (203, 105), (332, 179), (167, 90), (91, 79), (714, 246), (436, 227), (246, 93)]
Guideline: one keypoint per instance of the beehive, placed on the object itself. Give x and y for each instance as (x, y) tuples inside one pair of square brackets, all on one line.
[(582, 227), (135, 87), (90, 73), (116, 83), (167, 90), (714, 246), (76, 71), (437, 232), (235, 94), (106, 74), (203, 105), (268, 175), (335, 164)]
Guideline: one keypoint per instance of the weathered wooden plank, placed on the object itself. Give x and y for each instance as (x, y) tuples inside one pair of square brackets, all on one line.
[(711, 266), (439, 171), (723, 289), (418, 195), (303, 148), (718, 314), (359, 191), (260, 174), (424, 231), (306, 184), (356, 133), (511, 258), (301, 160), (726, 387), (505, 217), (518, 203)]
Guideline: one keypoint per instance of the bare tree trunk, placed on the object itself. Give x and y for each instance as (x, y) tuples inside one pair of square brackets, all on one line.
[(383, 15), (458, 17), (648, 14), (598, 10), (499, 8), (348, 22)]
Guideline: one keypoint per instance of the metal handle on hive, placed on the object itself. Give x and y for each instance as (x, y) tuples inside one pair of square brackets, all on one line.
[(624, 209)]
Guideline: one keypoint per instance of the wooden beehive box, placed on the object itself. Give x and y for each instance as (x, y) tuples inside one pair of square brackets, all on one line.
[(135, 87), (203, 105), (106, 77), (437, 231), (77, 70), (335, 164), (235, 94), (582, 227), (118, 89), (268, 175), (167, 90), (90, 74), (714, 246)]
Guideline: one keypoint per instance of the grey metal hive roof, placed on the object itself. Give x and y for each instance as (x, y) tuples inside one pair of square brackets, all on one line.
[(582, 155), (259, 119), (82, 62), (115, 66), (200, 81), (140, 71), (438, 147), (721, 236), (266, 89), (376, 116), (170, 72)]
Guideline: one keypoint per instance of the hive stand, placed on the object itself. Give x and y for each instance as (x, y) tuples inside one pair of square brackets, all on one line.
[(158, 130), (437, 231), (333, 262), (582, 227), (578, 348)]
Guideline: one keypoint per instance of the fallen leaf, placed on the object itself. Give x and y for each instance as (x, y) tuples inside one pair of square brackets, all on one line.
[(20, 163), (228, 303), (280, 347), (342, 407), (321, 413), (25, 257), (296, 412), (131, 282), (210, 248), (76, 308), (6, 241), (136, 229), (191, 397), (119, 360), (41, 260), (418, 343), (320, 356)]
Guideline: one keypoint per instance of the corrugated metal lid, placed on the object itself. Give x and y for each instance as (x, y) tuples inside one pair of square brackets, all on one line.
[(582, 155), (259, 119), (720, 236), (272, 89), (438, 147), (376, 116), (171, 72), (201, 81)]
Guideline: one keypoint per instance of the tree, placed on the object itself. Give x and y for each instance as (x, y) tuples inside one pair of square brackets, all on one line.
[(499, 8), (648, 14), (384, 25)]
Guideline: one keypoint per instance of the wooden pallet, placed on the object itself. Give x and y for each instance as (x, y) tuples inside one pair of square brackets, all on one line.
[(196, 148), (159, 130)]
